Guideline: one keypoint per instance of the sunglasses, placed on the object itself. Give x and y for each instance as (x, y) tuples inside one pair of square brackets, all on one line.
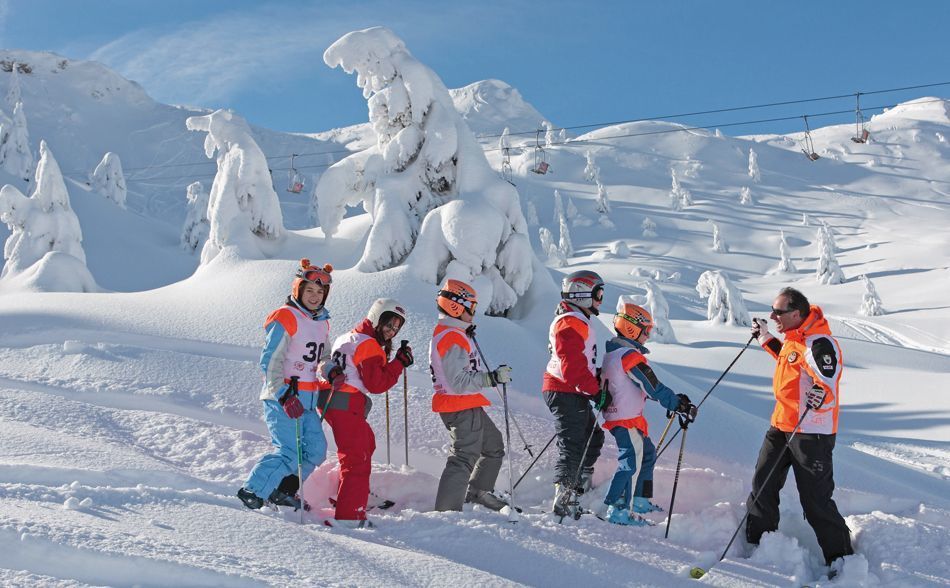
[(393, 326), (780, 312)]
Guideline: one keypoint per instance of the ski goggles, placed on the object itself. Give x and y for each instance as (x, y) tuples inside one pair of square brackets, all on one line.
[(596, 294), (467, 303), (637, 320), (316, 276)]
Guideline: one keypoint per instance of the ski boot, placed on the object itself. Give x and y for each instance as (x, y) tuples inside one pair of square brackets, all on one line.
[(566, 503), (619, 515), (279, 498), (642, 505), (485, 498), (250, 500), (350, 523)]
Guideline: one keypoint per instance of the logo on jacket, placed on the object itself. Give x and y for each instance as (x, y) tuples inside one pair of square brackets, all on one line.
[(793, 357), (298, 365)]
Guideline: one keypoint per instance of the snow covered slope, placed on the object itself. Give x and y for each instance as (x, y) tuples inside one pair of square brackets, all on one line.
[(129, 419)]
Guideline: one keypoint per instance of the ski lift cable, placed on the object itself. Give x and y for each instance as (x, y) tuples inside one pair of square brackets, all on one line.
[(730, 109), (617, 136), (574, 127), (715, 126)]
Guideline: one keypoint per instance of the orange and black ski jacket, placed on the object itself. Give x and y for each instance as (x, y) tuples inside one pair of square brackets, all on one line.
[(810, 358)]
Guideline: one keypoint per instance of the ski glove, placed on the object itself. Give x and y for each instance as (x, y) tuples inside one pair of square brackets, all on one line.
[(603, 400), (685, 406), (502, 375), (291, 404), (404, 356), (815, 397), (760, 330)]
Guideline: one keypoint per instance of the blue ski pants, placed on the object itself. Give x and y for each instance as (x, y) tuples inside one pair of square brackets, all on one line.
[(636, 453), (274, 467)]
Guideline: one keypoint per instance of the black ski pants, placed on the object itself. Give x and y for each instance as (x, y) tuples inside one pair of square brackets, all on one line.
[(574, 421), (809, 456)]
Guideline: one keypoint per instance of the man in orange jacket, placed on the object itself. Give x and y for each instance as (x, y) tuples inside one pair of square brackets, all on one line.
[(807, 377)]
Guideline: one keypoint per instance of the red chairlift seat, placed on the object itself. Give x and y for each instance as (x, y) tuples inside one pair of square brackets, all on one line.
[(541, 165), (861, 133), (295, 184)]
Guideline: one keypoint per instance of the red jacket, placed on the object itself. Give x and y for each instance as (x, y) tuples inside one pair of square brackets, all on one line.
[(573, 353)]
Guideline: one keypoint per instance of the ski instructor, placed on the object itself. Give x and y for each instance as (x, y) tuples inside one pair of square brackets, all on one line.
[(807, 377)]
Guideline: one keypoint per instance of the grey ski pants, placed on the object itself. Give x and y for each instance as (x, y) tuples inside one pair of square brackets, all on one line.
[(474, 458)]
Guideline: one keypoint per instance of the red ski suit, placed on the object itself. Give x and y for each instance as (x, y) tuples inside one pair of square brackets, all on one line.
[(367, 372)]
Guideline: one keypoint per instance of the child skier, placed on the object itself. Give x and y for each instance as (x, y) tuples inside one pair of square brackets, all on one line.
[(296, 336), (460, 382), (629, 381), (363, 356), (570, 383)]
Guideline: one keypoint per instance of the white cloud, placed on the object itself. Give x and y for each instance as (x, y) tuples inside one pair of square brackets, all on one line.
[(210, 61)]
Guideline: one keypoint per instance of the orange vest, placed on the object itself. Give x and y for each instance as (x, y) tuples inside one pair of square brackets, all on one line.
[(446, 399), (799, 370)]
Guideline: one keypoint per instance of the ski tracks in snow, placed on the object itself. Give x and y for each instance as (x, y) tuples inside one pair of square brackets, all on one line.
[(876, 333)]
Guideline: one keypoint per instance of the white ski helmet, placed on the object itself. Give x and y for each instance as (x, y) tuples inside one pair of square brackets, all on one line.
[(382, 307), (581, 288)]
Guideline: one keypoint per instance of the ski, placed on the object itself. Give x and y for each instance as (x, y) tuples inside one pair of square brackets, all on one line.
[(385, 504)]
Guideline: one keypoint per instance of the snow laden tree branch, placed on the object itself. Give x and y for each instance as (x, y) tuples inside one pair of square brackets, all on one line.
[(435, 202), (44, 250), (243, 208)]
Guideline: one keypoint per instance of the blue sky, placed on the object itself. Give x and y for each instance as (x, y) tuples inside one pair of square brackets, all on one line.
[(576, 62)]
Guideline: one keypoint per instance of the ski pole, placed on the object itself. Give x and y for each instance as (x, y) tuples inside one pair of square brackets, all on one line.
[(512, 517), (527, 446), (685, 420), (293, 387), (671, 415), (580, 468), (536, 458), (721, 376), (405, 403), (765, 482), (388, 459)]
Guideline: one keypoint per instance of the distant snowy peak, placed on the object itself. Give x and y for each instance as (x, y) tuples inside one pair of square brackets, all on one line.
[(489, 106), (927, 109), (92, 78)]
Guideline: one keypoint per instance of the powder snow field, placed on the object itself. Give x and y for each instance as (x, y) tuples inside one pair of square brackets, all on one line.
[(129, 418)]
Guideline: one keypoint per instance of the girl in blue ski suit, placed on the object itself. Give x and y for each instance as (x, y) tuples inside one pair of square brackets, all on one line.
[(629, 382), (296, 340)]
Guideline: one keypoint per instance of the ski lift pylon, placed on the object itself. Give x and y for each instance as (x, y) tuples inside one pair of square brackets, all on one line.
[(861, 133), (295, 181), (540, 163), (808, 147)]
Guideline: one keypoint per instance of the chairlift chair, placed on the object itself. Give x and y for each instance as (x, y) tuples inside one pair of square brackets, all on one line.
[(296, 181), (541, 166), (861, 133), (808, 147)]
